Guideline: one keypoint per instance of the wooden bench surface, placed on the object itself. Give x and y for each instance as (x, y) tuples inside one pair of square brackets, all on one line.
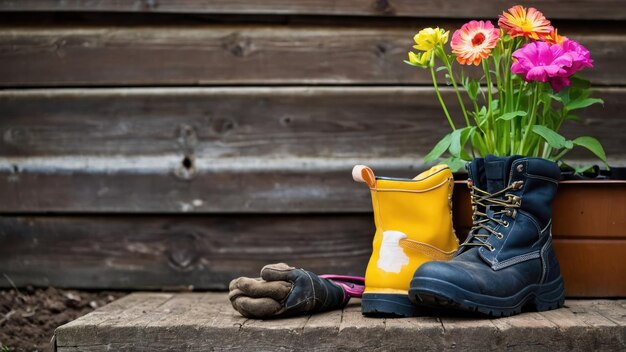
[(206, 321)]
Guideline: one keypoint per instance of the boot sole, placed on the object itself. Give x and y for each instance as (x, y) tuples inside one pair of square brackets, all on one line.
[(388, 305), (430, 292)]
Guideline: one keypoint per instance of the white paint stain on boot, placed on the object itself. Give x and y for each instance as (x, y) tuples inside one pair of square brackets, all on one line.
[(392, 258)]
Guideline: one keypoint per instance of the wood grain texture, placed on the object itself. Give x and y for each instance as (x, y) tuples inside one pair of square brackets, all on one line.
[(206, 252), (155, 252), (234, 55), (183, 323), (582, 9), (225, 149), (224, 122), (277, 122)]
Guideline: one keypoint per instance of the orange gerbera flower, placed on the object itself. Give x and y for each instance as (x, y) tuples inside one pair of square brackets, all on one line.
[(474, 41), (530, 23), (555, 38)]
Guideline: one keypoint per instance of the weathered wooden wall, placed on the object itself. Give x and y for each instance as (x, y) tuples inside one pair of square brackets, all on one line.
[(148, 144)]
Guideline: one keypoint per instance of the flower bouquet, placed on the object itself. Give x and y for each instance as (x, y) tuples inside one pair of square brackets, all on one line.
[(528, 89)]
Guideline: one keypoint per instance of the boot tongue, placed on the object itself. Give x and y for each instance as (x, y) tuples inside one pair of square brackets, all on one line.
[(497, 171), (476, 174)]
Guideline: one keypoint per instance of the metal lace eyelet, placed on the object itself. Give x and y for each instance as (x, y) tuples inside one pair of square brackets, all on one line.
[(492, 248), (499, 236), (505, 223)]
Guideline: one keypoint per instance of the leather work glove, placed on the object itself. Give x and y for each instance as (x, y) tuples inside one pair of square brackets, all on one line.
[(284, 291)]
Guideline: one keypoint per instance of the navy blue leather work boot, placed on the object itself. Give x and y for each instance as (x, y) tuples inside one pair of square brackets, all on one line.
[(507, 262)]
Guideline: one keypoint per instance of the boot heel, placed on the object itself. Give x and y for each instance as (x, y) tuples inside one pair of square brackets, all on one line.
[(384, 304), (550, 296)]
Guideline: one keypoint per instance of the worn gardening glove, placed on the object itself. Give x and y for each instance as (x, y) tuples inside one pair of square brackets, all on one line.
[(284, 291)]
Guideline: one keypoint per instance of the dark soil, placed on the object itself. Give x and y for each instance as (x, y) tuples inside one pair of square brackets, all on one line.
[(28, 317)]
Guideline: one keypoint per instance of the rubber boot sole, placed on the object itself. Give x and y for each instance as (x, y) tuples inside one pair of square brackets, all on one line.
[(388, 305), (429, 292)]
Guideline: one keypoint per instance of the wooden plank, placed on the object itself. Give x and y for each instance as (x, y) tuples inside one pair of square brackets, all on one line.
[(458, 329), (530, 331), (370, 330), (578, 327), (279, 122), (206, 252), (428, 327), (185, 316), (121, 312), (234, 55), (322, 329), (583, 9), (269, 186), (287, 186), (231, 122), (255, 186)]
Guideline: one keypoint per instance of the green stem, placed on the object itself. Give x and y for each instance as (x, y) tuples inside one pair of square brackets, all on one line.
[(443, 105), (501, 143), (489, 116), (533, 117), (561, 154), (547, 150), (456, 88), (518, 122)]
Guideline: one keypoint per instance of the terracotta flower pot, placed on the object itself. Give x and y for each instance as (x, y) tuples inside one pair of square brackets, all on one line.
[(589, 229)]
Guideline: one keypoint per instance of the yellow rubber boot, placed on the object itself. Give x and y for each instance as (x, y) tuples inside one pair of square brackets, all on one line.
[(413, 220)]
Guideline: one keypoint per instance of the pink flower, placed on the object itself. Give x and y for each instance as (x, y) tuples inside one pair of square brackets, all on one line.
[(474, 41), (552, 63), (580, 55)]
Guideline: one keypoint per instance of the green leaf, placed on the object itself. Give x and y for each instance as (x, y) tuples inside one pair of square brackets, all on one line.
[(583, 168), (472, 89), (454, 163), (465, 136), (494, 104), (563, 96), (554, 139), (583, 103), (439, 149), (558, 98), (440, 68), (455, 142), (592, 145), (415, 65), (511, 115), (458, 139), (545, 97), (479, 144)]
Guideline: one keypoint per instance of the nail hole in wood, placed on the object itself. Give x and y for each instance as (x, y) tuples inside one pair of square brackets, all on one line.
[(187, 163), (383, 6)]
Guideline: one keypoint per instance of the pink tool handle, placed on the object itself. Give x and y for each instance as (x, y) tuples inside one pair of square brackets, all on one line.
[(353, 286)]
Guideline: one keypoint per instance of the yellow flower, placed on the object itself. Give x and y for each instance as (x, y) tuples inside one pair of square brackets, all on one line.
[(428, 38), (420, 59)]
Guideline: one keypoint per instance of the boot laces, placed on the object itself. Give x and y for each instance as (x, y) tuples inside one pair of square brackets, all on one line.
[(483, 221)]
